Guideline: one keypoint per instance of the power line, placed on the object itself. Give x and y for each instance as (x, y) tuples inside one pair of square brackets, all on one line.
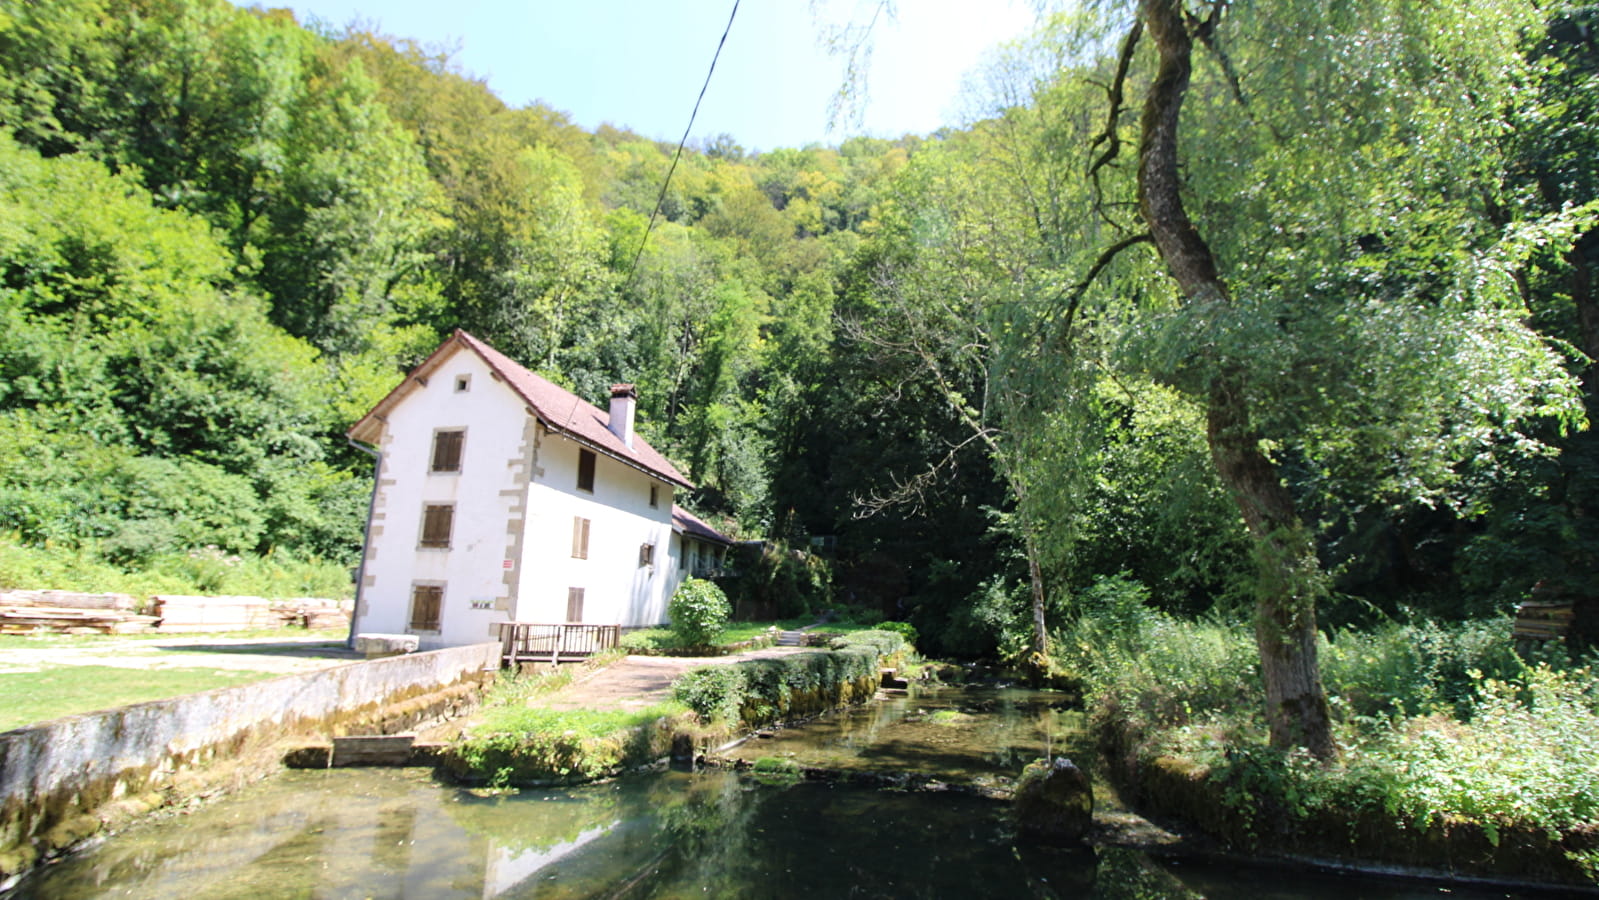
[(660, 200)]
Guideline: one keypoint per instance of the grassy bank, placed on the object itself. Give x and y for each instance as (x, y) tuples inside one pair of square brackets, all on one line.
[(517, 742), (67, 690), (49, 676), (1453, 751)]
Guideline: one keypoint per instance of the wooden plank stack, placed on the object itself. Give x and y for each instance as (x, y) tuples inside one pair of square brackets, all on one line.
[(180, 613), (68, 612), (1543, 620)]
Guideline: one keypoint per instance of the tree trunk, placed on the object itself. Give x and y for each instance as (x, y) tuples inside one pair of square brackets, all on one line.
[(1035, 576), (1285, 612), (1289, 576)]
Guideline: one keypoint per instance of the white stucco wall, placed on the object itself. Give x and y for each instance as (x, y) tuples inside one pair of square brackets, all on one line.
[(486, 493), (617, 590)]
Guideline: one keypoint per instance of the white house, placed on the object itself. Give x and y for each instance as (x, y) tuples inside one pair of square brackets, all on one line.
[(501, 497)]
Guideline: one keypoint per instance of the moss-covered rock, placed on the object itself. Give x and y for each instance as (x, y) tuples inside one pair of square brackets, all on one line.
[(1054, 802)]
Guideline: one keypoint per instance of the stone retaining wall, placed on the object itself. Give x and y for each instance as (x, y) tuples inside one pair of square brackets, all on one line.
[(62, 781)]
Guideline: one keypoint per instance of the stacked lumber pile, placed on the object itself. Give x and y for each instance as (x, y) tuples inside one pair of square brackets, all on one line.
[(313, 612), (1543, 621), (180, 613), (68, 612)]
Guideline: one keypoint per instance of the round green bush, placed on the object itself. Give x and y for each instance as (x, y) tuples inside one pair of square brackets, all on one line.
[(699, 611)]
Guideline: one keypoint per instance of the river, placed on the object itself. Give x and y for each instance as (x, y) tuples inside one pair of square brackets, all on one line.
[(398, 833)]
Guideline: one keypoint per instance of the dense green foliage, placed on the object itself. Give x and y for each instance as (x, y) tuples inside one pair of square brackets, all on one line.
[(771, 581), (948, 379), (698, 612), (200, 571)]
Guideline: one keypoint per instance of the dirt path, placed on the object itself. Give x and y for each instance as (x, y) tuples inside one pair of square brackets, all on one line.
[(637, 682)]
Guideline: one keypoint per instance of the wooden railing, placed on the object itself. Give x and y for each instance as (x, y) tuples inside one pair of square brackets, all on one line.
[(531, 642)]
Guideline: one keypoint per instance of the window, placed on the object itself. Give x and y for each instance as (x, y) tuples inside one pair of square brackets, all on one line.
[(684, 549), (427, 600), (585, 470), (447, 450), (574, 604), (655, 496), (580, 537), (463, 383), (646, 554), (436, 521)]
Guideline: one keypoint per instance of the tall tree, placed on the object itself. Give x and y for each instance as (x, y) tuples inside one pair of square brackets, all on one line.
[(1340, 294)]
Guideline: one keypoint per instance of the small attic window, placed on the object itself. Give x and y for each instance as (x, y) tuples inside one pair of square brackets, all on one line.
[(463, 383)]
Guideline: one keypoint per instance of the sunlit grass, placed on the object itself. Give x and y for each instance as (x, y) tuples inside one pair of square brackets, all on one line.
[(33, 697)]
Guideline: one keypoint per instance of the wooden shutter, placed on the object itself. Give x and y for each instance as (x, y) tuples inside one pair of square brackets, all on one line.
[(580, 537), (436, 521), (585, 470), (574, 604), (646, 554), (427, 600), (447, 451)]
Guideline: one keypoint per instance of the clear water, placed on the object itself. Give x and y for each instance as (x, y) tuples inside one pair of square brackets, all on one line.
[(963, 735), (399, 834)]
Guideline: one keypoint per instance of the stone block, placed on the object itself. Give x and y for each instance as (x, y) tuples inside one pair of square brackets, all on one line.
[(376, 645)]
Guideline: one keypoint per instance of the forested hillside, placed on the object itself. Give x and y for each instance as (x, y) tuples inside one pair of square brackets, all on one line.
[(986, 374)]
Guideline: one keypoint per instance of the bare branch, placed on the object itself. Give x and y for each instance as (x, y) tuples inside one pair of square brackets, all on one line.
[(912, 491), (1116, 94)]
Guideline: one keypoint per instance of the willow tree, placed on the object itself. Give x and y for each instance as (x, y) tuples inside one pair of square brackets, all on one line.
[(1317, 183)]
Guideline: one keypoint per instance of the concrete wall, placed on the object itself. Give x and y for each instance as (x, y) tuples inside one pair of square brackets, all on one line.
[(617, 590), (61, 780)]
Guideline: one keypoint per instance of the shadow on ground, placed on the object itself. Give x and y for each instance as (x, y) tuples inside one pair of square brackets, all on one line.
[(318, 650)]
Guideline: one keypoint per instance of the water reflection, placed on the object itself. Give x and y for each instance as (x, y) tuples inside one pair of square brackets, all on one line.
[(396, 834), (953, 734)]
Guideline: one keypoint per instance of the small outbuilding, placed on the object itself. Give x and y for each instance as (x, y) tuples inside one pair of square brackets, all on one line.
[(502, 497)]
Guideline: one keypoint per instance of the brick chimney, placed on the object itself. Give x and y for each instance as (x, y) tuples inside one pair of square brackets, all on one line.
[(624, 399)]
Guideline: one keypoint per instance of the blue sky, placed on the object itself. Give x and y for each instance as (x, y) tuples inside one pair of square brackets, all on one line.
[(640, 63)]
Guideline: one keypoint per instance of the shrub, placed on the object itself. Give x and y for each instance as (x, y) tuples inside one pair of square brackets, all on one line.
[(527, 744), (904, 629), (884, 643), (761, 690), (714, 693), (699, 611)]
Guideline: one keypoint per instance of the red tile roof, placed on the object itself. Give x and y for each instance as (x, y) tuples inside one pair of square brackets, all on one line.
[(560, 410), (687, 523)]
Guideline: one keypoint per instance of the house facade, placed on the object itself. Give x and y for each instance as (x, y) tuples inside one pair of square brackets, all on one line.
[(502, 497)]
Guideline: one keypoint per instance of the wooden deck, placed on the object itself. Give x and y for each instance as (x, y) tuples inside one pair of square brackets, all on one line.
[(536, 642)]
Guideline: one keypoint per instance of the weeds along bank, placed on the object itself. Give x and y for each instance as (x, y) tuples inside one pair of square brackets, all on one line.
[(1454, 752), (519, 744)]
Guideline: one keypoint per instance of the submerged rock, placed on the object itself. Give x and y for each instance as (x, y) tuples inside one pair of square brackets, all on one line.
[(1054, 802)]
